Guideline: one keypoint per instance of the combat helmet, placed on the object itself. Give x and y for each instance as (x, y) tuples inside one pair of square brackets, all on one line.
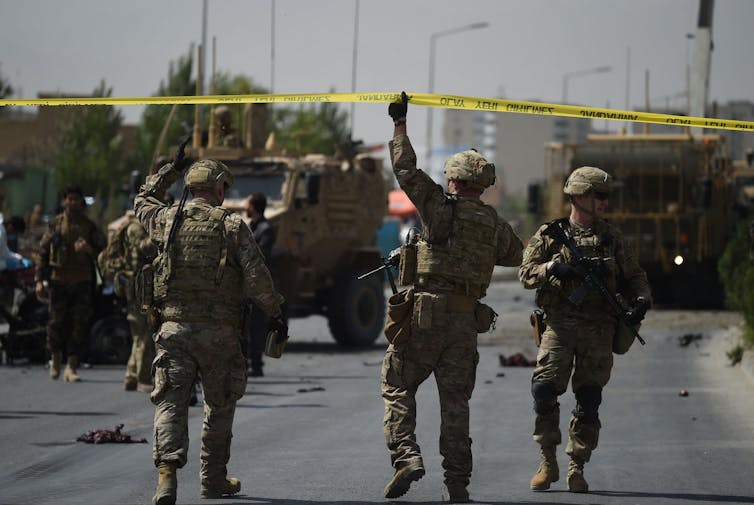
[(586, 179), (472, 167), (208, 174)]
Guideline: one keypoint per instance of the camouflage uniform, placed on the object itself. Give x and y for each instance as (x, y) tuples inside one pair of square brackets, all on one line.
[(71, 280), (140, 250), (462, 240), (213, 266), (578, 342)]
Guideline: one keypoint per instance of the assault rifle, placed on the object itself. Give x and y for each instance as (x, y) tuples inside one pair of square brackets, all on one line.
[(393, 260), (590, 271), (177, 162)]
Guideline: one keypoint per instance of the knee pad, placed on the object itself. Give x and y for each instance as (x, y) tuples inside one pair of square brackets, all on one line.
[(545, 397), (588, 399)]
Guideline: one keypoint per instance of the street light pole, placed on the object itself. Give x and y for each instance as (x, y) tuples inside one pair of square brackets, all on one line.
[(431, 88), (588, 71)]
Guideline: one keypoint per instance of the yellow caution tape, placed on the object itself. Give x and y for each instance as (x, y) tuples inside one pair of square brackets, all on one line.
[(429, 100)]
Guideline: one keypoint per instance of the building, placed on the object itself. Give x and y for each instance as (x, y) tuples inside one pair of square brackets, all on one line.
[(514, 142)]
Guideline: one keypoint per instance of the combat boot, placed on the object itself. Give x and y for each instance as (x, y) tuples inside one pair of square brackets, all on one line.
[(548, 471), (575, 481), (167, 485), (403, 477), (458, 493), (55, 359), (227, 486), (70, 375), (129, 384)]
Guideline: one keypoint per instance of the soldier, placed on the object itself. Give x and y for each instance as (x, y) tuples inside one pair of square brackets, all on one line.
[(578, 338), (132, 249), (201, 281), (264, 234), (462, 240), (66, 264)]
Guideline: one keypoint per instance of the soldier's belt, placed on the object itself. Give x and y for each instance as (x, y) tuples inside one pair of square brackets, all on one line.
[(460, 303)]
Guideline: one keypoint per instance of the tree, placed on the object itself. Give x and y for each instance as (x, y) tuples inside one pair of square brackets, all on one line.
[(6, 89), (313, 128), (89, 153), (178, 83)]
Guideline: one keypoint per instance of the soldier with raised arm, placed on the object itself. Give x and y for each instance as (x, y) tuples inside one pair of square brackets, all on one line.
[(201, 281), (462, 239)]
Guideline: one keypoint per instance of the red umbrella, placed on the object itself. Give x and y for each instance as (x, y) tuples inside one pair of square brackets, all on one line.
[(399, 205)]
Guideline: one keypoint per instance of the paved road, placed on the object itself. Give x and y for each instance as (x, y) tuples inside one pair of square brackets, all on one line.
[(309, 432)]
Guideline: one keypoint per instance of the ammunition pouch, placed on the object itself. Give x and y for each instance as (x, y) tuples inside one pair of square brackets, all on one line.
[(538, 324), (144, 293), (623, 338), (400, 308), (485, 317), (407, 265)]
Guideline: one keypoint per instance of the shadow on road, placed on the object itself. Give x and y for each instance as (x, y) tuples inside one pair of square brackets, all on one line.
[(21, 414), (714, 498)]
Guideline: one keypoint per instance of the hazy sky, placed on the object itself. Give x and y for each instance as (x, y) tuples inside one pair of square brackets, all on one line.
[(69, 46)]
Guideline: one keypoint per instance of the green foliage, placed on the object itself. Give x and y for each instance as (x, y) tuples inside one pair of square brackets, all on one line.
[(90, 153), (314, 128), (733, 265), (178, 83), (735, 355), (6, 89)]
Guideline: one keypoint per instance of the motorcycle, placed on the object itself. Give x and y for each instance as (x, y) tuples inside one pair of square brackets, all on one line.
[(23, 322)]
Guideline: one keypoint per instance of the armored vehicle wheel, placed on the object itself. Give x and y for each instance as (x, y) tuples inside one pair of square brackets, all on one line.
[(110, 340), (356, 310)]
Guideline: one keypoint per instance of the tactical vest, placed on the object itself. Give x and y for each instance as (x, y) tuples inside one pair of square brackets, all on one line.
[(597, 245), (466, 255), (195, 281), (65, 233)]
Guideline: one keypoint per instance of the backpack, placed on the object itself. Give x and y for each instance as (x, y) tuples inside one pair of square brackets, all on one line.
[(114, 258)]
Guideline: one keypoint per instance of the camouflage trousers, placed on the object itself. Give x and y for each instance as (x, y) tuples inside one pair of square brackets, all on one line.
[(579, 350), (70, 314), (446, 348), (185, 351), (139, 367)]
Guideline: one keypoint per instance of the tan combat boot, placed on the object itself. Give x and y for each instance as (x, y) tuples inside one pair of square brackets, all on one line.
[(167, 485), (403, 477), (575, 481), (55, 359), (129, 384), (548, 471), (225, 487), (70, 375)]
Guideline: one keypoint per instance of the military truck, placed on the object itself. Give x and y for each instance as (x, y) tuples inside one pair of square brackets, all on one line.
[(326, 212), (671, 198)]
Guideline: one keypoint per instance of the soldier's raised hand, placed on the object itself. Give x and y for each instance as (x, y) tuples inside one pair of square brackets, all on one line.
[(398, 110)]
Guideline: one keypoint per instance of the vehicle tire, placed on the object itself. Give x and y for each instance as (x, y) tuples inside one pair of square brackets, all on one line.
[(110, 340), (356, 310)]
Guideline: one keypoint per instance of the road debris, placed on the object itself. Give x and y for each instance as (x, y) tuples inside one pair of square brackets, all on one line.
[(517, 359), (109, 437), (686, 339), (309, 390), (683, 392)]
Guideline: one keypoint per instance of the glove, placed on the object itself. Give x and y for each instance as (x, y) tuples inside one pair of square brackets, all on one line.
[(564, 271), (278, 324), (180, 162), (636, 314), (398, 110)]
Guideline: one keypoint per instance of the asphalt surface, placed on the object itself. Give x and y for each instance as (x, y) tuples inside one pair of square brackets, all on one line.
[(310, 431)]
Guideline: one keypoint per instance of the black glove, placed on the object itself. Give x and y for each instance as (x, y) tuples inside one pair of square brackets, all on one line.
[(564, 271), (278, 324), (636, 314), (180, 162), (398, 110)]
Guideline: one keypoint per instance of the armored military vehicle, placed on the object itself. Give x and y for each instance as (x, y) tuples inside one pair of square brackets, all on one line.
[(325, 211), (671, 198)]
